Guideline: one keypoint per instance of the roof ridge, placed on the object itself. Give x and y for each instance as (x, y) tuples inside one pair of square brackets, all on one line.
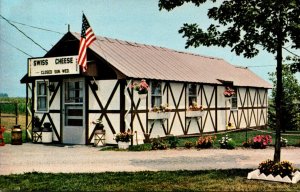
[(136, 44), (137, 60)]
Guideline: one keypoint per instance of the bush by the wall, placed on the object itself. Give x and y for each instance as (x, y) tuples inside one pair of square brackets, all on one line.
[(142, 147), (188, 144), (172, 141), (159, 143), (227, 143), (205, 142)]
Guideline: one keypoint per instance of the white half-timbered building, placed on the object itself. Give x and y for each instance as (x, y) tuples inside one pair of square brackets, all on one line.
[(71, 100)]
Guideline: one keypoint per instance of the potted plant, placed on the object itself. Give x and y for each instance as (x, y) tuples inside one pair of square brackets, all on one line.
[(37, 130), (229, 92), (98, 124), (271, 171), (161, 112), (195, 110), (123, 139), (51, 87), (141, 87)]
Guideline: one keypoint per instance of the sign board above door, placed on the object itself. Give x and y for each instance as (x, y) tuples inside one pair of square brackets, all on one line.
[(50, 66)]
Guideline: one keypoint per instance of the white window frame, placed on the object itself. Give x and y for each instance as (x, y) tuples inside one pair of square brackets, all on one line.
[(37, 95), (154, 94), (190, 95), (234, 97)]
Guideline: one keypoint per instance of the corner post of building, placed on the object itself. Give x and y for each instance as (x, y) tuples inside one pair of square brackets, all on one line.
[(32, 103), (26, 112), (86, 111), (122, 104), (216, 108)]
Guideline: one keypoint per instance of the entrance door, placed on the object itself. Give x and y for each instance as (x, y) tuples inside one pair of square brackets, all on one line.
[(74, 110)]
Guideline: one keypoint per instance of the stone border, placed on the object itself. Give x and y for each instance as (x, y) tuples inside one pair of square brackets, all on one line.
[(256, 175)]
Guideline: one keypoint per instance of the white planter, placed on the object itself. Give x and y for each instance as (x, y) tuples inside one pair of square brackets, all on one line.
[(256, 175), (158, 115), (194, 113), (123, 145), (47, 137)]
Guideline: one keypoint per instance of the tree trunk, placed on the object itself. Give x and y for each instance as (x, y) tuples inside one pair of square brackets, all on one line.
[(278, 98)]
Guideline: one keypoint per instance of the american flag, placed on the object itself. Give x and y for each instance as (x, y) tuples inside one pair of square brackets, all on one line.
[(87, 38)]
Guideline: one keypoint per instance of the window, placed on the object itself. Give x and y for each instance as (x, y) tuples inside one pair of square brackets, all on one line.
[(42, 96), (234, 103), (156, 97), (192, 94), (74, 92)]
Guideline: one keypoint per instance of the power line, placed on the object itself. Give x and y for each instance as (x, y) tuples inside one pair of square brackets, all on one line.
[(290, 52), (36, 27), (16, 47), (24, 33)]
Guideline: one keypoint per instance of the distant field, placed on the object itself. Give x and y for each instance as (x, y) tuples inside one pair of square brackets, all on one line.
[(10, 108), (9, 122), (8, 112)]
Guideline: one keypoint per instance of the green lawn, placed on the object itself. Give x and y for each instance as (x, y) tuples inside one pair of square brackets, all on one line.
[(241, 136), (214, 180)]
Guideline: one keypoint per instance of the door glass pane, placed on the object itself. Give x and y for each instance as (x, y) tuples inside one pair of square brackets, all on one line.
[(74, 92), (74, 115)]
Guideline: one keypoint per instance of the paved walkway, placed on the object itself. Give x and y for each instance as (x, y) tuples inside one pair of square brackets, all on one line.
[(16, 159)]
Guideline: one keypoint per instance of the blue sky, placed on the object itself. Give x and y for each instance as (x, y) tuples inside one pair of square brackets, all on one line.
[(131, 20)]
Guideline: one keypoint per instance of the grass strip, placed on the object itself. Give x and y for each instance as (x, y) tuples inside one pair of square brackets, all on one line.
[(209, 180)]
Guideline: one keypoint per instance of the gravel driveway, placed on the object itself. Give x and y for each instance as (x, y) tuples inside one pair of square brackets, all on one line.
[(16, 159)]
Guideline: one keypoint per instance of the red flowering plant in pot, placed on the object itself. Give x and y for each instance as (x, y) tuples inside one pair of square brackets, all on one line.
[(141, 87), (229, 92)]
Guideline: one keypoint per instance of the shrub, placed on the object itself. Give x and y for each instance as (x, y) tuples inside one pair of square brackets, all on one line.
[(188, 144), (283, 168), (283, 142), (231, 144), (247, 144), (261, 141), (205, 142), (227, 143), (158, 143), (172, 141), (142, 147), (298, 144)]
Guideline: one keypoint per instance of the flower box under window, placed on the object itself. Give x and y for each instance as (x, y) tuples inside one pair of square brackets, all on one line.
[(158, 115), (194, 113)]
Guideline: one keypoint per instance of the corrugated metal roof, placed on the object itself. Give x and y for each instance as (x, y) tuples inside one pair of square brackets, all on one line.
[(151, 62)]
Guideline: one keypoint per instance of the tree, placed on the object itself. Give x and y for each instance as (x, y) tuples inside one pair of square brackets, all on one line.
[(245, 25), (291, 96), (295, 65)]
